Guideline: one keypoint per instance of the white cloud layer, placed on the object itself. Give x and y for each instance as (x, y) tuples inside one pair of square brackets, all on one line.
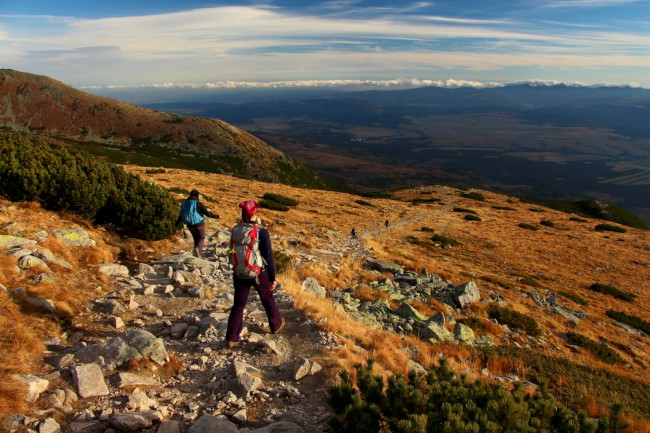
[(267, 44)]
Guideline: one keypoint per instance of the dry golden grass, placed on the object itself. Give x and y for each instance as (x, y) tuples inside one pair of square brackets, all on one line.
[(23, 328), (567, 258)]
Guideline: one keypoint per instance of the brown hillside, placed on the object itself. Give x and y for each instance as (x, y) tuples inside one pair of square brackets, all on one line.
[(496, 253), (48, 108)]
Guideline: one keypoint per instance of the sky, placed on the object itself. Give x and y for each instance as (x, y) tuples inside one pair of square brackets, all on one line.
[(166, 43)]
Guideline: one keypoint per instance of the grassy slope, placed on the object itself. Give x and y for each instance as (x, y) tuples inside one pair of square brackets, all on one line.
[(496, 253)]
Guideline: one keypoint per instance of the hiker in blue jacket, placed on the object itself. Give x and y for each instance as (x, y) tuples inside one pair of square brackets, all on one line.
[(192, 212)]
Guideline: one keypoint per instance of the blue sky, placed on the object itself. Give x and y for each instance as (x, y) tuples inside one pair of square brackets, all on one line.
[(217, 43)]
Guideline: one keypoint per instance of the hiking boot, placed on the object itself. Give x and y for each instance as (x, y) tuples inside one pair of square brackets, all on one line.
[(231, 344), (279, 327), (197, 253)]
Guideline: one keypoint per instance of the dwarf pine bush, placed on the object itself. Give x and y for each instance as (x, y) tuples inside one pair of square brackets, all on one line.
[(63, 178), (440, 401)]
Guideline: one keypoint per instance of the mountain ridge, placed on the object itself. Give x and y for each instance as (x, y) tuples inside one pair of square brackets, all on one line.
[(43, 107)]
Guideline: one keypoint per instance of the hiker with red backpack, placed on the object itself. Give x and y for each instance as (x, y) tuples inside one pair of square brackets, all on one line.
[(192, 212), (251, 256)]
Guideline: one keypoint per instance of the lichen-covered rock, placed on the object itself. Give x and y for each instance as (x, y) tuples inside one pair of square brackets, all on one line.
[(132, 344), (113, 270), (463, 334), (8, 241), (408, 312), (311, 285), (73, 237), (467, 294)]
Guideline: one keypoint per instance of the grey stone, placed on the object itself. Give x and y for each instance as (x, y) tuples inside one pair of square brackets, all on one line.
[(43, 304), (132, 344), (240, 416), (463, 334), (279, 427), (467, 294), (73, 237), (49, 425), (247, 379), (484, 340), (435, 332), (140, 401), (90, 380), (45, 278), (47, 256), (385, 267), (305, 367), (134, 421), (130, 379), (113, 270), (146, 270), (414, 366), (83, 427), (406, 311), (111, 306), (439, 318), (31, 262), (169, 427), (178, 330), (35, 386), (210, 424), (311, 285), (8, 241)]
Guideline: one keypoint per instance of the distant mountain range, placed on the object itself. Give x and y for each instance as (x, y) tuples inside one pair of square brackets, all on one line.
[(533, 139), (43, 107)]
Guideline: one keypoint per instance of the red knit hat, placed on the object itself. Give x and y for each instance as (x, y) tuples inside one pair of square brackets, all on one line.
[(250, 206)]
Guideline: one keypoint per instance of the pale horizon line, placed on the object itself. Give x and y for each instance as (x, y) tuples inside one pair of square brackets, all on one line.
[(393, 83)]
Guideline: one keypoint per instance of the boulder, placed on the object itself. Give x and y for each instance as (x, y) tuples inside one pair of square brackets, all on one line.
[(169, 427), (43, 304), (279, 427), (35, 386), (311, 285), (90, 380), (210, 424), (406, 311), (247, 379), (130, 379), (467, 294), (463, 334), (7, 241), (433, 331), (384, 267), (113, 270), (73, 237), (134, 421), (305, 367), (47, 256), (31, 262), (132, 344), (49, 425)]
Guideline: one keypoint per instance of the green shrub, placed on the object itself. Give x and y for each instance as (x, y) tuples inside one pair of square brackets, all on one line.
[(498, 282), (633, 321), (464, 210), (440, 401), (601, 351), (528, 226), (536, 209), (444, 240), (470, 217), (274, 205), (282, 261), (428, 229), (575, 298), (609, 228), (179, 190), (155, 170), (547, 223), (63, 178), (577, 219), (474, 195), (278, 198), (609, 289), (417, 201), (514, 319), (364, 203), (530, 281), (503, 208)]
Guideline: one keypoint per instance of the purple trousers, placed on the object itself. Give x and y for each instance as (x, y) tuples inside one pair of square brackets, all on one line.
[(242, 288), (198, 234)]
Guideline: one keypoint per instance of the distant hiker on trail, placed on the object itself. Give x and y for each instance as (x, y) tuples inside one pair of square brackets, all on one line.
[(192, 212), (354, 232), (253, 266), (386, 224)]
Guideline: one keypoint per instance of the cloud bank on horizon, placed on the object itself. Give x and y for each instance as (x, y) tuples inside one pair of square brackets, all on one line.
[(216, 43)]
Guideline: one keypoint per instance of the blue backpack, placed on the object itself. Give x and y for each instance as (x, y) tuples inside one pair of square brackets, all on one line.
[(189, 214)]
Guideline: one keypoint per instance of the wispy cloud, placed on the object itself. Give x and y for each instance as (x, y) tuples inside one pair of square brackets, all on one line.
[(268, 43)]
